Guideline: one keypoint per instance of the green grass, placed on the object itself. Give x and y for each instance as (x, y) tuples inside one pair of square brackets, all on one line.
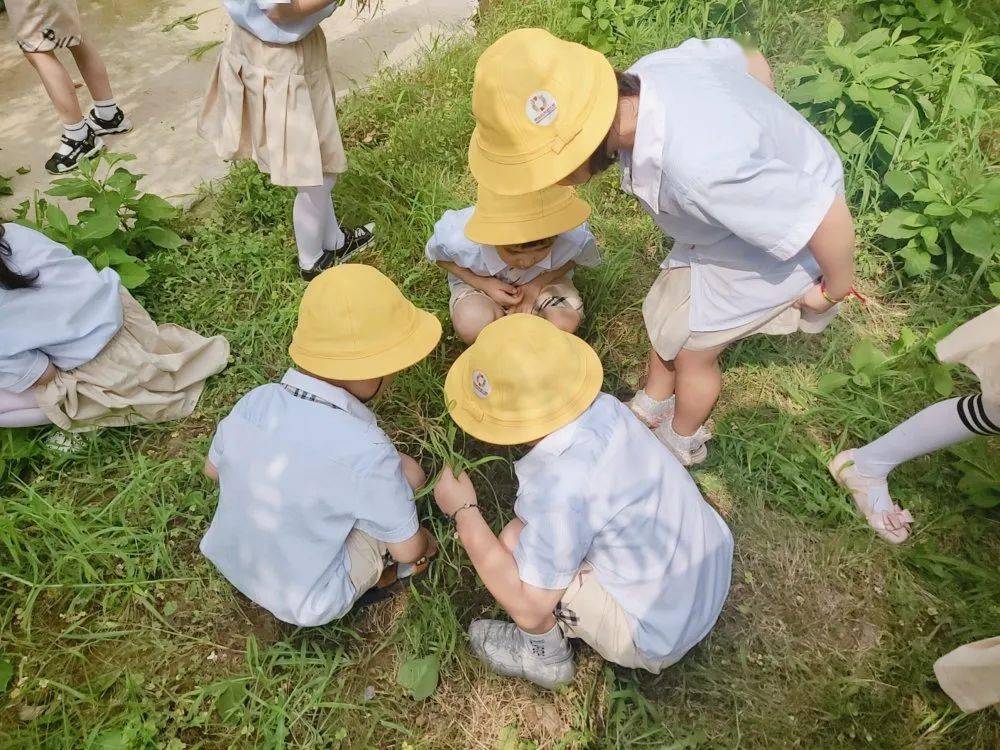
[(122, 636)]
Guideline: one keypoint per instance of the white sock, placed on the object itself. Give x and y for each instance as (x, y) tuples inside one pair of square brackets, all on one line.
[(550, 646), (938, 426), (309, 219), (106, 109), (75, 133), (333, 235)]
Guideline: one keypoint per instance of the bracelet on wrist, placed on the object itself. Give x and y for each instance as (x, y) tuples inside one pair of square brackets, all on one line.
[(454, 516)]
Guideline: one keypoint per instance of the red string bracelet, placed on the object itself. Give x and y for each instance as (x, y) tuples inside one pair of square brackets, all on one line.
[(852, 293)]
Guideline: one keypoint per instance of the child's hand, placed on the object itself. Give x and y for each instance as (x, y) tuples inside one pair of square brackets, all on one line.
[(452, 493), (813, 300), (529, 295), (505, 295)]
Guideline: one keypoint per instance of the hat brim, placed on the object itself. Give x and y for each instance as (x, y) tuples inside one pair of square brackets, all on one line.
[(420, 342), (548, 168), (498, 231), (500, 432)]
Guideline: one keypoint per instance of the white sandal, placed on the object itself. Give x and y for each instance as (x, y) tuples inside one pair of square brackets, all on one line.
[(892, 525)]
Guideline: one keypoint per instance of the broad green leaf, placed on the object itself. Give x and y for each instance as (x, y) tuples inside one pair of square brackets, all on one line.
[(107, 202), (841, 56), (830, 382), (818, 90), (977, 236), (229, 703), (113, 739), (56, 219), (162, 237), (963, 99), (926, 195), (5, 188), (940, 377), (899, 182), (901, 224), (73, 187), (906, 341), (122, 180), (834, 32), (938, 209), (132, 274), (916, 261), (154, 208), (995, 288), (419, 676), (929, 235), (858, 93), (866, 357), (870, 41), (6, 670), (97, 225)]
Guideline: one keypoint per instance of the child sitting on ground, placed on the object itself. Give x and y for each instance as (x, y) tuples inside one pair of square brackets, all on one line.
[(313, 497), (514, 254), (612, 541)]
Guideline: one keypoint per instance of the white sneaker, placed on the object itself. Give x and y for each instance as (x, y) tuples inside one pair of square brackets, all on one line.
[(872, 499), (689, 450), (650, 411), (504, 648)]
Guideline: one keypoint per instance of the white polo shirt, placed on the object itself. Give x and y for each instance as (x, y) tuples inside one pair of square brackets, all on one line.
[(604, 491), (67, 317), (252, 16), (449, 244), (734, 174), (295, 477)]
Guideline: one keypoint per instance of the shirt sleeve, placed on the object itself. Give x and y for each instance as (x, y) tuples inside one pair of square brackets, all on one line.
[(18, 372), (589, 255), (553, 543), (764, 201), (385, 504), (215, 450), (724, 50)]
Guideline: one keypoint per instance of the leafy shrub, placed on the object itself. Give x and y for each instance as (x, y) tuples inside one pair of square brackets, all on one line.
[(601, 23), (120, 227), (927, 18)]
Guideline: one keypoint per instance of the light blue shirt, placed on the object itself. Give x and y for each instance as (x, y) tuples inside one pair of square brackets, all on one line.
[(295, 477), (251, 15), (603, 490), (449, 243), (735, 175), (66, 318)]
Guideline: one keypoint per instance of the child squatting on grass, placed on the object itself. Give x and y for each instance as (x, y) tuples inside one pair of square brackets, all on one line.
[(78, 351), (612, 541), (514, 254), (271, 99), (314, 500), (750, 192)]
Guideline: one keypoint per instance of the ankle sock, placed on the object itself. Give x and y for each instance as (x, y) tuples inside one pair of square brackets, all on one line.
[(76, 132), (549, 647), (106, 109)]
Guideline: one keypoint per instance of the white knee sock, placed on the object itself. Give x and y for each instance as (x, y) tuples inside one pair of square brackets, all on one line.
[(333, 235), (20, 410), (315, 222), (938, 426)]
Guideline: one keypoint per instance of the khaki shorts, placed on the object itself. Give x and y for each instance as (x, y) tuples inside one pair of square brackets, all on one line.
[(561, 294), (588, 612), (45, 25), (368, 557), (667, 311)]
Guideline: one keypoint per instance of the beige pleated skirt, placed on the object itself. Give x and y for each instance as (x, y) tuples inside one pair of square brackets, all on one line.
[(970, 674), (976, 345), (274, 103), (45, 25), (666, 312), (146, 373)]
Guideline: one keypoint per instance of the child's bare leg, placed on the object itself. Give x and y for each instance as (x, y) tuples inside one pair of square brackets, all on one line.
[(563, 318), (415, 476), (510, 534), (472, 314), (699, 382), (93, 71), (660, 377), (58, 85)]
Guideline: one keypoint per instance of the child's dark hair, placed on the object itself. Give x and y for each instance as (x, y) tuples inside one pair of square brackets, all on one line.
[(628, 85), (9, 278)]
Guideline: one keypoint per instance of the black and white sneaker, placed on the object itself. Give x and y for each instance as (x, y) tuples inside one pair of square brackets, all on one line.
[(118, 123), (70, 152), (354, 240)]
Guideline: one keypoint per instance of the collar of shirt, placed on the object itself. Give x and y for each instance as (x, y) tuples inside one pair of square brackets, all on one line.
[(643, 167), (552, 445), (329, 392), (496, 264)]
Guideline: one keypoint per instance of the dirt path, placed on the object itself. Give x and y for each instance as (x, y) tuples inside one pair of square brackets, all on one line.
[(160, 81)]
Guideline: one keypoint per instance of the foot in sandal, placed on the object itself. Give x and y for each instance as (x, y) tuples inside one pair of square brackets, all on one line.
[(872, 499), (395, 578)]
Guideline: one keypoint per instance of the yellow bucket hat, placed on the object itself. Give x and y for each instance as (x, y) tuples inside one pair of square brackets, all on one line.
[(542, 107), (522, 379), (510, 219), (355, 324)]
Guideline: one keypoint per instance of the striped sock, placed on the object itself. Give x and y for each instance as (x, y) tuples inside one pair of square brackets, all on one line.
[(106, 109), (975, 416)]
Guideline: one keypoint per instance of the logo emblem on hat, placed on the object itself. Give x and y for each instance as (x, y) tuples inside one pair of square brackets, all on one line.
[(541, 108), (480, 384)]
